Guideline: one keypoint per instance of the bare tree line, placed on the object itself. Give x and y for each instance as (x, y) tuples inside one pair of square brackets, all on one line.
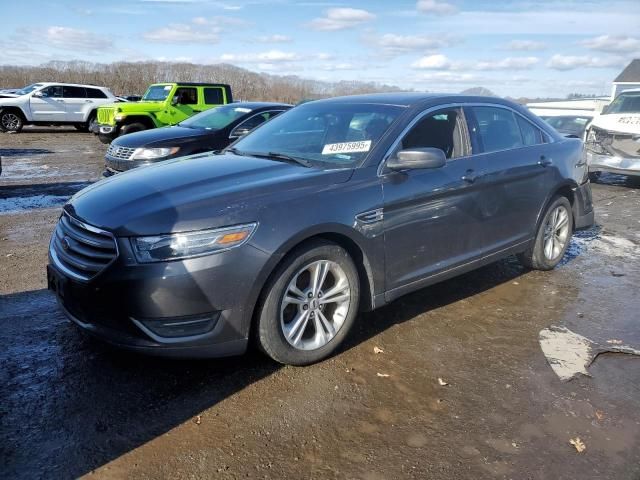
[(133, 78)]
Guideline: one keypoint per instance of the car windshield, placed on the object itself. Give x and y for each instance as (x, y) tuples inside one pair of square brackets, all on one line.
[(627, 102), (216, 118), (322, 133), (568, 124), (28, 89), (157, 93)]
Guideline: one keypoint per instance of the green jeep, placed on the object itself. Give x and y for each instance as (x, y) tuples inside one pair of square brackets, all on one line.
[(163, 104)]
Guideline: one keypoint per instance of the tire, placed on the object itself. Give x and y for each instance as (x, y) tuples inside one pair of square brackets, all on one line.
[(547, 251), (84, 127), (132, 127), (106, 139), (321, 324), (11, 121), (594, 176)]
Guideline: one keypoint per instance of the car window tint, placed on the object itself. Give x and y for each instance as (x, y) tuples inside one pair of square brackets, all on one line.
[(497, 129), (254, 121), (187, 95), (213, 96), (95, 93), (438, 130), (73, 92), (55, 91), (531, 135)]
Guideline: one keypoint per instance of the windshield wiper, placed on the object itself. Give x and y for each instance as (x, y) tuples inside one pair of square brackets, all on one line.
[(233, 150), (285, 157)]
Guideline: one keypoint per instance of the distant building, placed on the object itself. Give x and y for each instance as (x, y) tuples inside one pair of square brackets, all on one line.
[(628, 78)]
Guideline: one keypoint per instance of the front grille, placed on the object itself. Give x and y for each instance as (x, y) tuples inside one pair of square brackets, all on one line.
[(106, 115), (80, 250), (120, 153)]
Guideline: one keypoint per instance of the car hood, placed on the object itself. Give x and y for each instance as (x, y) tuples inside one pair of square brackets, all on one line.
[(207, 191), (161, 137), (618, 122), (136, 107)]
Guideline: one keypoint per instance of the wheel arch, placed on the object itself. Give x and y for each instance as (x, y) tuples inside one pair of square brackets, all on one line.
[(146, 120), (15, 109), (338, 234), (564, 189)]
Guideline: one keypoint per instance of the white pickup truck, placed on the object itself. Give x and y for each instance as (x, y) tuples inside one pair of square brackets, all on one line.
[(49, 103), (612, 139)]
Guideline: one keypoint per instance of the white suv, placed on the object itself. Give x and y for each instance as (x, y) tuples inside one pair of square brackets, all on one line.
[(52, 104)]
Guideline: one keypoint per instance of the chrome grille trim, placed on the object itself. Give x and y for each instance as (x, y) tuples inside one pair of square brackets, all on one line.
[(80, 250), (120, 153)]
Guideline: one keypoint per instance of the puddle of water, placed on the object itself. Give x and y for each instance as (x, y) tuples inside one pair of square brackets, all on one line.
[(20, 204), (602, 242)]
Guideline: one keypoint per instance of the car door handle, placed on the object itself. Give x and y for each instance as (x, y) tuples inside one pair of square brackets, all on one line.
[(544, 161), (470, 176), (59, 100), (88, 101)]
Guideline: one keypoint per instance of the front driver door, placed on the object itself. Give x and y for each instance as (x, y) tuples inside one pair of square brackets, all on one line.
[(431, 220), (50, 106), (185, 104)]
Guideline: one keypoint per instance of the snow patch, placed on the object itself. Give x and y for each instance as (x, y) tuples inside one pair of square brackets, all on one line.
[(20, 204)]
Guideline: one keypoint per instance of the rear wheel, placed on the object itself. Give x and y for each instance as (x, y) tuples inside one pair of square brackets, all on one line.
[(594, 176), (132, 127), (309, 305), (84, 127), (552, 238), (11, 121)]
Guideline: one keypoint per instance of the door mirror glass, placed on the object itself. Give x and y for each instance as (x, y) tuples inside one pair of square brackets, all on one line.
[(417, 158), (175, 100)]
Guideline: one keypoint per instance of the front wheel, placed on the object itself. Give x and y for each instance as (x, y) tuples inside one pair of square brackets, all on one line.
[(552, 238), (11, 122), (309, 304), (132, 127)]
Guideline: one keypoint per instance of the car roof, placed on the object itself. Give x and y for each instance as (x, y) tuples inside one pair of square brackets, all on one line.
[(46, 84), (409, 99), (193, 84), (255, 105)]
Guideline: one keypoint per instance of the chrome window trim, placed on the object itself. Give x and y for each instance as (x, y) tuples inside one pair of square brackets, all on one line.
[(231, 135), (462, 105)]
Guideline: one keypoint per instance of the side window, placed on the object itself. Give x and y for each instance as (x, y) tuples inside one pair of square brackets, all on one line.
[(442, 129), (73, 92), (531, 135), (95, 93), (497, 129), (54, 91), (213, 96), (186, 95)]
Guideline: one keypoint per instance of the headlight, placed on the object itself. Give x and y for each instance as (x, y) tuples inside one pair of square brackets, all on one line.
[(153, 153), (190, 244)]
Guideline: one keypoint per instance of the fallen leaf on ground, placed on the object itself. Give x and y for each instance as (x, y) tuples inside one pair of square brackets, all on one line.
[(198, 420), (377, 350), (614, 342), (599, 414), (580, 446), (441, 382), (383, 375)]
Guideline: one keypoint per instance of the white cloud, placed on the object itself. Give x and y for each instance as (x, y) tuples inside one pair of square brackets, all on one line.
[(436, 7), (433, 62), (509, 63), (182, 33), (525, 45), (67, 38), (269, 57), (613, 44), (391, 44), (571, 62), (276, 38), (341, 18)]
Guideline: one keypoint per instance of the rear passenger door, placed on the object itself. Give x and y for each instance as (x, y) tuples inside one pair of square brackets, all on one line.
[(75, 103), (518, 172)]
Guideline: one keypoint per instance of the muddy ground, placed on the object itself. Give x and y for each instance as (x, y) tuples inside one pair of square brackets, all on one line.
[(70, 406)]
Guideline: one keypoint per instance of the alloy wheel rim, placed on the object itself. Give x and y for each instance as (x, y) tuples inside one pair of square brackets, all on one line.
[(315, 305), (10, 121), (556, 233)]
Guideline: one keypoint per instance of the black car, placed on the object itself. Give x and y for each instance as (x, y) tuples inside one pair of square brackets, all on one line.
[(207, 131), (334, 207)]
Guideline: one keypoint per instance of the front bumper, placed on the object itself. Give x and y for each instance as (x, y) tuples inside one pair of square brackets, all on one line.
[(613, 164), (199, 307), (583, 213)]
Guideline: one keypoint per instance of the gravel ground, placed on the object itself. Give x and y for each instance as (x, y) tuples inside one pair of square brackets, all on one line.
[(70, 406)]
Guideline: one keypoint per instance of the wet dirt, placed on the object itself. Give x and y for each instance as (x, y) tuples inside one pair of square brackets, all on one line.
[(70, 406)]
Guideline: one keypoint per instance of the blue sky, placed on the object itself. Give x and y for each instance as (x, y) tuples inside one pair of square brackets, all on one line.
[(518, 48)]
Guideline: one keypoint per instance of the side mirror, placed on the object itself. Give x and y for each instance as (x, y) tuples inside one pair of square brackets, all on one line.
[(175, 101), (417, 158), (38, 94), (239, 132)]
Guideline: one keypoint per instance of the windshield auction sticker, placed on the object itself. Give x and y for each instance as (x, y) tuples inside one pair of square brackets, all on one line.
[(346, 147)]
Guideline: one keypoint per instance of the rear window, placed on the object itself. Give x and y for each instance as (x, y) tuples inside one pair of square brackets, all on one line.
[(531, 135), (95, 93), (213, 96), (497, 129)]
